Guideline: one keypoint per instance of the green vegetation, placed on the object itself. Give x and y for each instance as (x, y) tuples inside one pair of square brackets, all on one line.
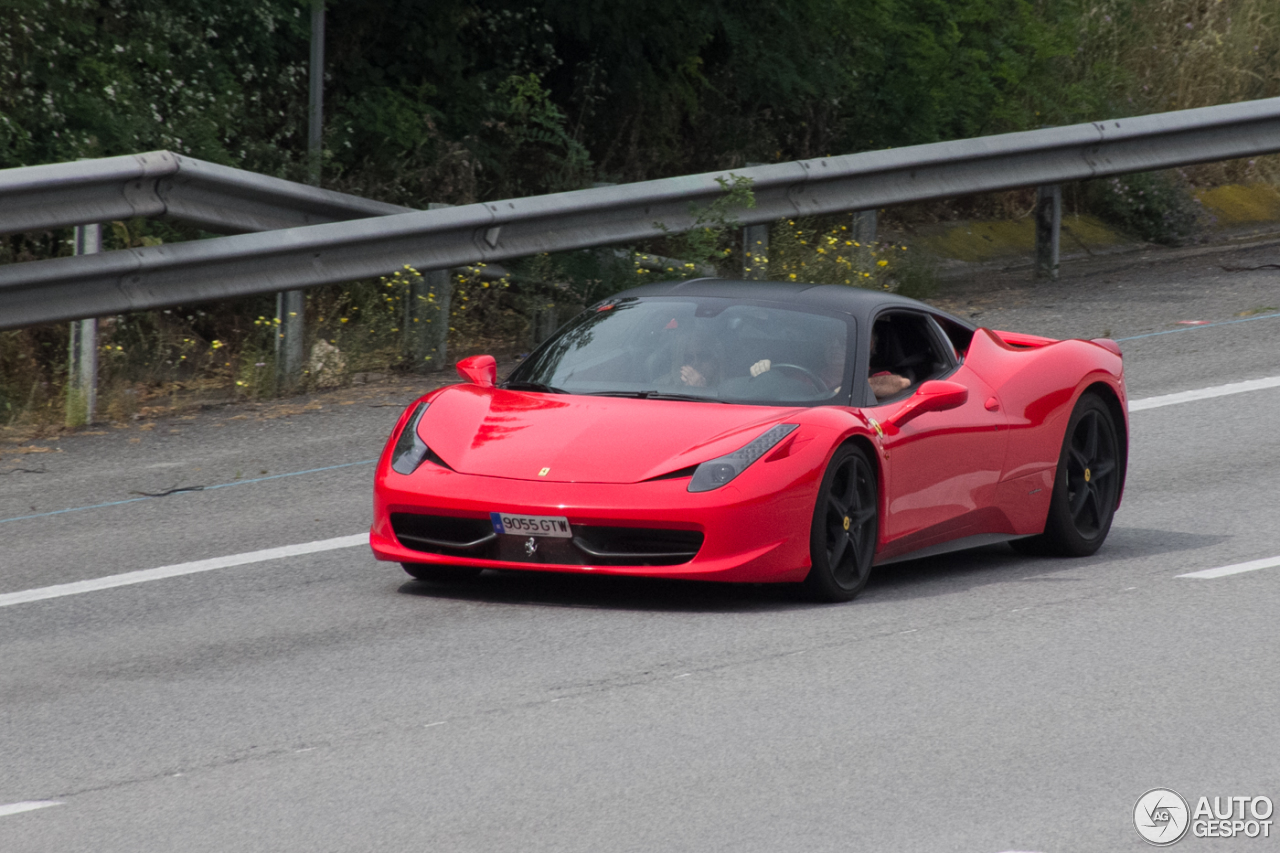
[(457, 100), (1155, 206), (462, 100)]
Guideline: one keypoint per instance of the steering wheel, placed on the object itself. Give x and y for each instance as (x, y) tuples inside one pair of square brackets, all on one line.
[(818, 384)]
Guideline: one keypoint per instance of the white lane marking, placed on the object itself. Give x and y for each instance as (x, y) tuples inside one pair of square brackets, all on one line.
[(19, 808), (144, 575), (1235, 569), (1204, 393)]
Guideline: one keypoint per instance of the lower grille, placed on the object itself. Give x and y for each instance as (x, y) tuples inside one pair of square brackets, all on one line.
[(642, 546), (590, 545), (441, 534)]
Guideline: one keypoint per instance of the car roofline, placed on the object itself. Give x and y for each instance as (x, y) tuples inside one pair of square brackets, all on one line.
[(846, 299)]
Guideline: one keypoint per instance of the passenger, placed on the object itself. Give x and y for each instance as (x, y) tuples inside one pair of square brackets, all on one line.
[(830, 372), (883, 383)]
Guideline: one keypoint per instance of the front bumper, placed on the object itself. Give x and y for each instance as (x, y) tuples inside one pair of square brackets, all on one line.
[(755, 529)]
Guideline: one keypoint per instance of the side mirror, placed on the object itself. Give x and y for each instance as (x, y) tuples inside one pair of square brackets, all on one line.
[(480, 370), (936, 395)]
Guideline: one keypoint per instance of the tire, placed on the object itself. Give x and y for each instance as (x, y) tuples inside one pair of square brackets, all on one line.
[(846, 524), (440, 574), (1086, 486)]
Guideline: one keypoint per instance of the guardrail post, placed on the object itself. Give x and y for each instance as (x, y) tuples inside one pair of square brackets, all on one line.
[(864, 226), (291, 312), (291, 305), (1048, 230), (755, 252), (82, 351), (427, 317), (315, 94), (545, 322), (755, 249)]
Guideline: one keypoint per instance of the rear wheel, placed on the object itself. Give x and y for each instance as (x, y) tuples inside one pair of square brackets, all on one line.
[(440, 574), (842, 539), (1086, 485)]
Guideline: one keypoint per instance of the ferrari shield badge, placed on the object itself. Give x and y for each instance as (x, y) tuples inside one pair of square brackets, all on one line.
[(875, 425)]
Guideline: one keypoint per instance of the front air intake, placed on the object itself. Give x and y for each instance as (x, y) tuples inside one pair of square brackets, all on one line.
[(590, 546)]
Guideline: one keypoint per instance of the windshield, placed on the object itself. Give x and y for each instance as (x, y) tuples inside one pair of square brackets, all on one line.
[(697, 347)]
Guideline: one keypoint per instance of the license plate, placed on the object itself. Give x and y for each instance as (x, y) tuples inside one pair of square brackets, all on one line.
[(531, 525)]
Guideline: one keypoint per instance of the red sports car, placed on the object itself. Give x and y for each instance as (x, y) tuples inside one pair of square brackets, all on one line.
[(757, 432)]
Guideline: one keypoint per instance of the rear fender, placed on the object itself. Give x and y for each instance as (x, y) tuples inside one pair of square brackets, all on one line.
[(1038, 386)]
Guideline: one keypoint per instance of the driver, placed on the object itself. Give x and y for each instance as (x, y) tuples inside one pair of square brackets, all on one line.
[(883, 383)]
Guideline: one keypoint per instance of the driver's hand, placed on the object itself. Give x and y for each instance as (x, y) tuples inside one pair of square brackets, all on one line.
[(761, 366), (887, 384), (689, 375)]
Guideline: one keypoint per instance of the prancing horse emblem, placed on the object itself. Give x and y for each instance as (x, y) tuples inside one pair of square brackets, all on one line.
[(544, 472), (530, 547)]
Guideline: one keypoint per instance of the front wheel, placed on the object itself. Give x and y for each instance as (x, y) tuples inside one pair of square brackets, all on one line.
[(440, 574), (1086, 486), (842, 539)]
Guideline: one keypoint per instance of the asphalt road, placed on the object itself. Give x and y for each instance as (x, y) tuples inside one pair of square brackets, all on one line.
[(974, 702)]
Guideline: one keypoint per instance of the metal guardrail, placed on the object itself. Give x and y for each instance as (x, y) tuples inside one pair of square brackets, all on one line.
[(163, 184), (293, 258)]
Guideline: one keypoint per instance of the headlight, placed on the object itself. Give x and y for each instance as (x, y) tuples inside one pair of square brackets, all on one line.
[(410, 449), (714, 473)]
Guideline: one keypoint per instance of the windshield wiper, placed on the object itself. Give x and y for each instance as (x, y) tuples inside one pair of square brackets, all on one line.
[(534, 386), (656, 395)]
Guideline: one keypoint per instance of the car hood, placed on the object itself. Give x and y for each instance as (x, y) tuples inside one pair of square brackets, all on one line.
[(514, 434)]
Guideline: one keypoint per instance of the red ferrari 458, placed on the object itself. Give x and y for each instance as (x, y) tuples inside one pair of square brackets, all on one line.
[(757, 432)]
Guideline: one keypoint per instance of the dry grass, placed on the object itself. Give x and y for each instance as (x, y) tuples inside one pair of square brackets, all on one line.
[(1196, 53), (1183, 54)]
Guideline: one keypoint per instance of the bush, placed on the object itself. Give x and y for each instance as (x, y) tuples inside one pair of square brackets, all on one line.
[(810, 251), (1155, 206)]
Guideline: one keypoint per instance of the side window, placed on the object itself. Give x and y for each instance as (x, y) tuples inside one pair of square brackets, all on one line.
[(959, 335), (904, 352)]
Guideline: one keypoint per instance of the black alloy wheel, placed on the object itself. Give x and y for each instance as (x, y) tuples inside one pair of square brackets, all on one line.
[(842, 539), (440, 574), (1086, 486)]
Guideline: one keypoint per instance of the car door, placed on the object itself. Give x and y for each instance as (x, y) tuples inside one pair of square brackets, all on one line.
[(942, 467)]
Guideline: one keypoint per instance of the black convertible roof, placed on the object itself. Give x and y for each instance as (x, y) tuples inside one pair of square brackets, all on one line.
[(858, 301)]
